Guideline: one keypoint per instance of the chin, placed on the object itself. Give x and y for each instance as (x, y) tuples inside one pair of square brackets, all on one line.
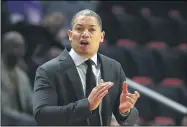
[(86, 54)]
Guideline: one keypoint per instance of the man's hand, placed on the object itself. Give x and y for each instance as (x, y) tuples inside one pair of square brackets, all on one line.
[(98, 93), (127, 100)]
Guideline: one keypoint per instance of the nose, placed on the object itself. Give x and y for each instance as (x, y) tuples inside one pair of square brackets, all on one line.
[(85, 34)]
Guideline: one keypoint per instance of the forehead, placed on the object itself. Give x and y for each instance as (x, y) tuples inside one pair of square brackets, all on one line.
[(86, 20), (18, 41), (13, 40)]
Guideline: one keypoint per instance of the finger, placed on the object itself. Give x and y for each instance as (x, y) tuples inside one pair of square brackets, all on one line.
[(102, 84), (130, 100), (137, 94), (125, 87), (95, 89), (126, 106), (100, 97), (94, 93), (100, 91), (133, 96)]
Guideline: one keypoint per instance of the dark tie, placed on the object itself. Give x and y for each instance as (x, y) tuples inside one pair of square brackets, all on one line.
[(90, 84), (90, 78)]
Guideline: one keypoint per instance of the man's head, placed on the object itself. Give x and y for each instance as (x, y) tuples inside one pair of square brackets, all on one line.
[(86, 34), (13, 46)]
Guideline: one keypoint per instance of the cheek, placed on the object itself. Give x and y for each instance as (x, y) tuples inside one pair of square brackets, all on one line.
[(75, 40), (75, 36), (98, 41), (95, 46)]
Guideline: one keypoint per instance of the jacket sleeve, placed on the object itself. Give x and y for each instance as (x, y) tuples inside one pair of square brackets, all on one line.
[(45, 103), (129, 119)]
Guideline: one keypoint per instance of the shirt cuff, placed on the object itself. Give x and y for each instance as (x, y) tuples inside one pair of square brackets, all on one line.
[(125, 113)]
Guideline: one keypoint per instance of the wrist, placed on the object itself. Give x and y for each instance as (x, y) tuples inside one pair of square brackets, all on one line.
[(89, 106), (126, 112)]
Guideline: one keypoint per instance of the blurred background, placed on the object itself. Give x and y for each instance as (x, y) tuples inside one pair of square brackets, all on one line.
[(148, 38)]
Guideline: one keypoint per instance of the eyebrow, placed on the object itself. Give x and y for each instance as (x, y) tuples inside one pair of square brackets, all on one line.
[(89, 25), (93, 25)]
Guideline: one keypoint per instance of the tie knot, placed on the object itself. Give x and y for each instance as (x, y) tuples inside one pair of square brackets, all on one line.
[(89, 62)]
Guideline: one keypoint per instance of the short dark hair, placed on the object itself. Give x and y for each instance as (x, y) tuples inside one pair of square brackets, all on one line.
[(87, 12)]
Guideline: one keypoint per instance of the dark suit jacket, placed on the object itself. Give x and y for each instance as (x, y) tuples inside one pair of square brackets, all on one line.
[(59, 98)]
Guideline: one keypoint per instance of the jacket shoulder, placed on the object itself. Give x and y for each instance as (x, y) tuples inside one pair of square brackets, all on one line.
[(110, 60), (51, 65)]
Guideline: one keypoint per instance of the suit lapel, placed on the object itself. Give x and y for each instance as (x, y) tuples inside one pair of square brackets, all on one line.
[(76, 82), (72, 73), (105, 68), (106, 76)]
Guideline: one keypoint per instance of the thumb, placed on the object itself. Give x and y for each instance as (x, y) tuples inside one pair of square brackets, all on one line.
[(125, 87)]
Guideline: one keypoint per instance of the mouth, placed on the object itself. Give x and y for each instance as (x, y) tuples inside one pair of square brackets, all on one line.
[(84, 45)]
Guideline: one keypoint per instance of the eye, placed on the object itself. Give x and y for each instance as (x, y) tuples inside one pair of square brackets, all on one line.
[(79, 29), (92, 30)]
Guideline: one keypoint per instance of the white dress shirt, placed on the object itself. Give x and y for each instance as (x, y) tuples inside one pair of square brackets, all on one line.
[(82, 67)]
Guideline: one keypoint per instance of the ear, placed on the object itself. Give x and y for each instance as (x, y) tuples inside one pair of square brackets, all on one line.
[(102, 36), (70, 34)]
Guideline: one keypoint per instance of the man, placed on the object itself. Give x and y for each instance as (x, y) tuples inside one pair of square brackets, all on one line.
[(16, 92), (83, 87)]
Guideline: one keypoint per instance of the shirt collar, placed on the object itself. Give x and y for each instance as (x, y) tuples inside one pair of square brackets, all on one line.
[(79, 59)]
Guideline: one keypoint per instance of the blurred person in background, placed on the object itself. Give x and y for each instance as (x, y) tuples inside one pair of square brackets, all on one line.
[(53, 53), (51, 24), (16, 92), (68, 8), (46, 37), (63, 37), (40, 37), (111, 23)]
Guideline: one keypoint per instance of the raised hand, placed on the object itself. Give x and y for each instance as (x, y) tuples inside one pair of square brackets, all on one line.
[(127, 100), (98, 93)]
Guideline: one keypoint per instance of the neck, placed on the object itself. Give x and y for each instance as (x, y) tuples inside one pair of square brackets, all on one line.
[(10, 63)]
